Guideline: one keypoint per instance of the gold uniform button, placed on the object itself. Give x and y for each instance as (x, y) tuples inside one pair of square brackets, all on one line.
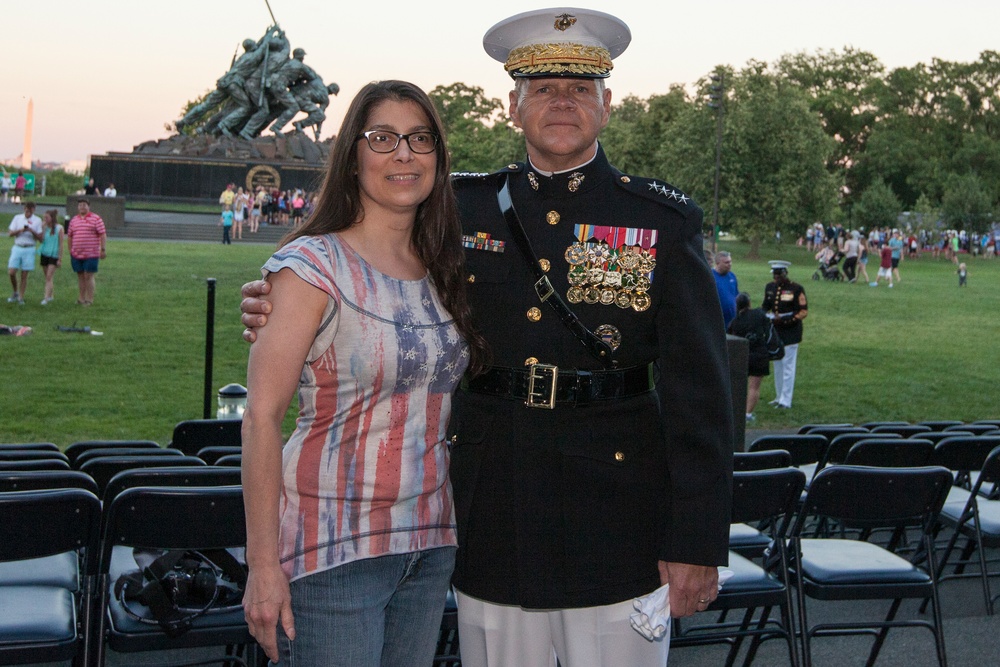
[(530, 361), (626, 179), (619, 456), (454, 439), (545, 265), (471, 278), (552, 217), (512, 166), (534, 314)]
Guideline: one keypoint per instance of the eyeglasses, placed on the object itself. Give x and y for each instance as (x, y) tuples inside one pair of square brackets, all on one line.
[(382, 141)]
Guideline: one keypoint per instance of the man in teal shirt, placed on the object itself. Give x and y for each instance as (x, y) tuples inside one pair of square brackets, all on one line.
[(896, 245)]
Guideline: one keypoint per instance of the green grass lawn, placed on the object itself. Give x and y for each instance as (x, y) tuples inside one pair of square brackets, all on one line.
[(923, 350)]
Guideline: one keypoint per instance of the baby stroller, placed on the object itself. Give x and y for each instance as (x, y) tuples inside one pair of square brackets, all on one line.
[(829, 265)]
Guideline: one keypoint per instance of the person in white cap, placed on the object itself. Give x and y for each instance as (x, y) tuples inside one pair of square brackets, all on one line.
[(785, 302), (591, 463)]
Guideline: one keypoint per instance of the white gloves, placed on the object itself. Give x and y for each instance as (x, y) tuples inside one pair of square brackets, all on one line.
[(651, 617)]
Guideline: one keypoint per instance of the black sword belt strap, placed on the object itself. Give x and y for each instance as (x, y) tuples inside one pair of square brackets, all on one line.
[(599, 349)]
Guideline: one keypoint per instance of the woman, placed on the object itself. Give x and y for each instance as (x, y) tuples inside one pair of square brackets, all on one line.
[(852, 252), (51, 250), (255, 203), (752, 324), (240, 202), (350, 528), (298, 204)]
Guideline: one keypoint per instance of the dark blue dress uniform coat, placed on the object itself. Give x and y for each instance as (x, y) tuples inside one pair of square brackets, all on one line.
[(573, 506)]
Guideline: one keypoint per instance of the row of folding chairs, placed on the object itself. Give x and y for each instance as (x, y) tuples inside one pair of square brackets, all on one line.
[(62, 551), (824, 568)]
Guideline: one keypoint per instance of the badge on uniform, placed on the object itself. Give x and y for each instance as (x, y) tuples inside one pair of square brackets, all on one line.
[(611, 265), (482, 241)]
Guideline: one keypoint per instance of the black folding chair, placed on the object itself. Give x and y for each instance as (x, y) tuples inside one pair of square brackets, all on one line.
[(806, 428), (770, 497), (43, 446), (837, 452), (977, 520), (103, 468), (975, 429), (762, 460), (44, 610), (938, 436), (194, 435), (230, 460), (212, 454), (31, 455), (34, 464), (77, 448), (191, 518), (179, 476), (37, 480), (847, 569), (905, 430), (941, 424), (83, 457), (890, 453), (876, 424)]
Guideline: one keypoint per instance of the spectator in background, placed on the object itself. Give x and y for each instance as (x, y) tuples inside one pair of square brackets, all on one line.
[(87, 244), (20, 184), (963, 275), (51, 251), (852, 251), (896, 244), (863, 252), (110, 190), (752, 324), (26, 230), (240, 204), (91, 189), (885, 266), (5, 185), (256, 202), (785, 303), (226, 221), (298, 205), (726, 285), (227, 197)]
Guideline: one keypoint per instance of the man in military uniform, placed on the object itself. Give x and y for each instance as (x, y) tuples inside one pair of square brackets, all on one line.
[(785, 302), (585, 475)]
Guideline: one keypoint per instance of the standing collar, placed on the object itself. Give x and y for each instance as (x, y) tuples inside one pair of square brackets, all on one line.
[(572, 181)]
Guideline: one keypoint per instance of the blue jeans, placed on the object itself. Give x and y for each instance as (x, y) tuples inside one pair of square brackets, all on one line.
[(375, 612)]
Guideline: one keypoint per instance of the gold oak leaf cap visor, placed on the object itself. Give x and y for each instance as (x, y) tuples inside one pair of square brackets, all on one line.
[(562, 41)]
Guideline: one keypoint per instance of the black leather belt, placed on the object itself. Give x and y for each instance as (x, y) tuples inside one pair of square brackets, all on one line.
[(545, 386)]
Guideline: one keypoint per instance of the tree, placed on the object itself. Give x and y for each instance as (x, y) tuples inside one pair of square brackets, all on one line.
[(479, 136), (59, 182), (192, 129), (966, 205), (878, 206)]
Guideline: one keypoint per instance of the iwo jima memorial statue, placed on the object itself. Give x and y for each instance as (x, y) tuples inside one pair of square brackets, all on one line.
[(218, 141)]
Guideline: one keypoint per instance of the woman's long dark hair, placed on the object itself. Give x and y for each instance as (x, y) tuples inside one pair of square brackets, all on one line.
[(437, 233)]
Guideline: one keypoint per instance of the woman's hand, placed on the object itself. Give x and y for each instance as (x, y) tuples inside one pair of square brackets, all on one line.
[(267, 602)]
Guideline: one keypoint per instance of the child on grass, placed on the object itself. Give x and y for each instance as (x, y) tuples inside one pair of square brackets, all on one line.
[(227, 223)]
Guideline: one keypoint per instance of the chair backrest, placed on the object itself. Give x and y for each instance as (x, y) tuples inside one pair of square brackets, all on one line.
[(841, 445), (803, 449), (941, 424), (103, 468), (230, 460), (196, 517), (891, 453), (194, 435), (83, 457), (988, 422), (963, 454), (48, 522), (874, 497), (990, 472), (77, 448), (806, 428), (31, 455), (975, 429), (46, 446), (831, 433), (762, 460), (182, 476), (766, 494), (871, 426), (36, 480), (34, 464), (905, 430), (938, 436), (212, 454)]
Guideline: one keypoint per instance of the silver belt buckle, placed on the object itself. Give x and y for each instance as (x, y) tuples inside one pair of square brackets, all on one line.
[(538, 398)]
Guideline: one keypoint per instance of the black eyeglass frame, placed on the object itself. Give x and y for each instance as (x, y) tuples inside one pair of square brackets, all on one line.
[(399, 138)]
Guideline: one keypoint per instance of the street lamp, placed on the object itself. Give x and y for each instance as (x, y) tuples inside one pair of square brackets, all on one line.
[(716, 101)]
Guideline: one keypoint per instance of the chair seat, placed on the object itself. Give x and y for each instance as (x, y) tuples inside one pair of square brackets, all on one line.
[(989, 519), (747, 540), (833, 562), (35, 614), (58, 571), (748, 577)]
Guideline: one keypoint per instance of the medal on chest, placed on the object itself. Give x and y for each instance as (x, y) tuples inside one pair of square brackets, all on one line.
[(611, 265)]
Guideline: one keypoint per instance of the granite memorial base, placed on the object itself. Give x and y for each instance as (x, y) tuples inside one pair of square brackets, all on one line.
[(111, 209)]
